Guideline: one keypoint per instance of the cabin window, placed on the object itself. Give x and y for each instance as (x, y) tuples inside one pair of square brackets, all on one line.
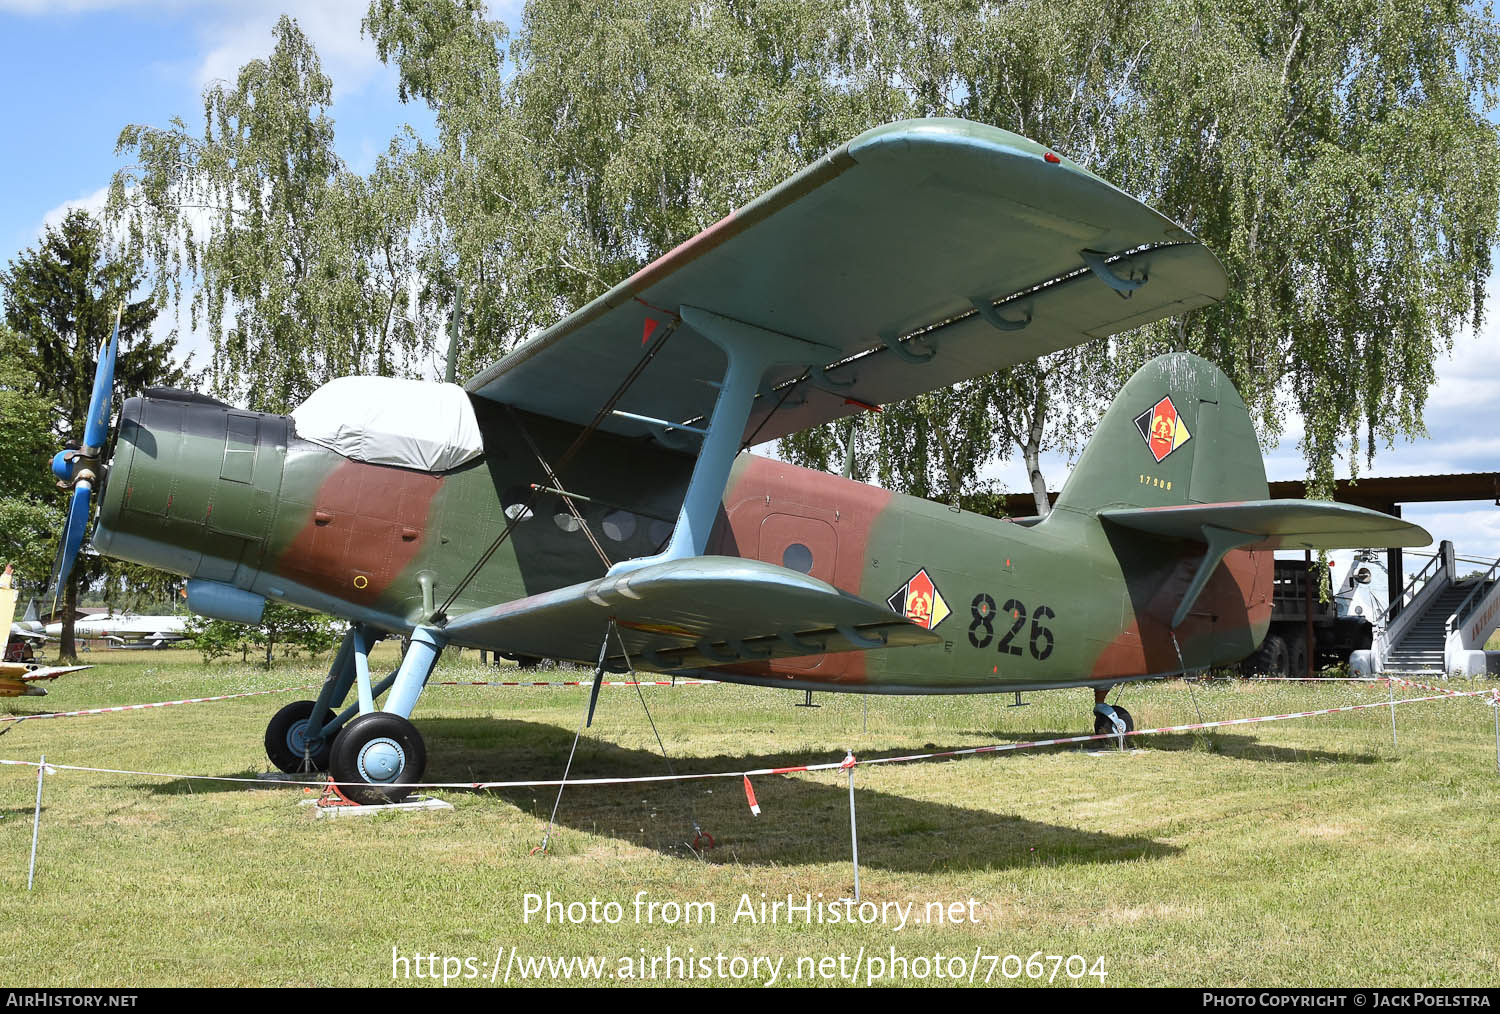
[(797, 557), (619, 525), (514, 503), (565, 521)]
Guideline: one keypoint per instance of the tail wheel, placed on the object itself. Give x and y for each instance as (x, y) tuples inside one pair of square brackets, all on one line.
[(287, 736), (1104, 727), (376, 757)]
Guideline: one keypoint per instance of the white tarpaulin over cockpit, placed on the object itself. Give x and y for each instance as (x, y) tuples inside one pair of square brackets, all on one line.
[(387, 421)]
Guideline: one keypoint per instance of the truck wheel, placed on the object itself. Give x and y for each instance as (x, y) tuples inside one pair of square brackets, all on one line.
[(1272, 659), (1297, 657)]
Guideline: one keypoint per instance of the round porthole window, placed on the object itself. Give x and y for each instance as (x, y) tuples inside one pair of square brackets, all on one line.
[(514, 503), (618, 525), (797, 557), (565, 521)]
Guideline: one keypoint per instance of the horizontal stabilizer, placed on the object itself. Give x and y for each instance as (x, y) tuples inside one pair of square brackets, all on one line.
[(1276, 524), (689, 614)]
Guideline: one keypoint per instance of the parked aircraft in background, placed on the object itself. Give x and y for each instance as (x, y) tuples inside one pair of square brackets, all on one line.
[(126, 628)]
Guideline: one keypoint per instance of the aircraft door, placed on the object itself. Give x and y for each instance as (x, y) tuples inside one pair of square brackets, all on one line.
[(808, 545)]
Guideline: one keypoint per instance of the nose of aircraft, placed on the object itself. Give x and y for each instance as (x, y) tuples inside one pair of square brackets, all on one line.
[(192, 486)]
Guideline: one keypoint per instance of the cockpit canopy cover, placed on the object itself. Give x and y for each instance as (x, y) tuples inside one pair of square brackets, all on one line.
[(387, 421)]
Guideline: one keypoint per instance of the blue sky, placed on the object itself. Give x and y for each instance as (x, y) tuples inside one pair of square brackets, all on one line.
[(79, 70)]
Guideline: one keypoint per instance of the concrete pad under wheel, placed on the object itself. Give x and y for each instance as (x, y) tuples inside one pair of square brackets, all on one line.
[(415, 804)]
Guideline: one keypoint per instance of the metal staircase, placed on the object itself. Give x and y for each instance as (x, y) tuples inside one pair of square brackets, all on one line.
[(1439, 624), (1421, 647)]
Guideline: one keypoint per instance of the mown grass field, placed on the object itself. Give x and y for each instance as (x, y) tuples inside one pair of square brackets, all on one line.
[(1306, 852)]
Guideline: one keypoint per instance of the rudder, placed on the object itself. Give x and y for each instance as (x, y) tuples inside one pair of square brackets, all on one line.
[(1177, 433)]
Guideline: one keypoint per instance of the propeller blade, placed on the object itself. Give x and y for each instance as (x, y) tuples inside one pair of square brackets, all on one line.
[(101, 401), (72, 539)]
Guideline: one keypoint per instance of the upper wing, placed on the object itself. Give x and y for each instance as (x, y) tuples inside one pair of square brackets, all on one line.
[(926, 252), (693, 613), (1277, 524)]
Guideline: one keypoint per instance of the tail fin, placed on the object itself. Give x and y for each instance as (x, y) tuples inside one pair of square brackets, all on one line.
[(1176, 434)]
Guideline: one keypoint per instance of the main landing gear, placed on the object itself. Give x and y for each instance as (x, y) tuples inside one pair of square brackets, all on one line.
[(373, 755)]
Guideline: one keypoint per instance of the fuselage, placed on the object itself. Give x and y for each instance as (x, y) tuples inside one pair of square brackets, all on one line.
[(237, 498), (126, 627)]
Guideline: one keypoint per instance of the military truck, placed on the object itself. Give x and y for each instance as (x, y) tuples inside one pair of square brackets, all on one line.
[(1336, 628)]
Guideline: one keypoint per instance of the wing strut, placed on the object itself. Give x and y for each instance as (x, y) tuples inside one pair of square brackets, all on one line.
[(751, 351)]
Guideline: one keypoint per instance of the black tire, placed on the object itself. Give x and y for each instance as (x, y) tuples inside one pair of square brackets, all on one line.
[(284, 744), (380, 777), (1103, 726), (1272, 658), (1296, 657)]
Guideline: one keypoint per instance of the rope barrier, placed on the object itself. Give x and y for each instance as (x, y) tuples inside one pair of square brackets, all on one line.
[(154, 704), (842, 764)]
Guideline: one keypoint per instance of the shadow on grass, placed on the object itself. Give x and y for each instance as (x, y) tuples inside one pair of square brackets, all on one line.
[(1229, 744), (804, 819)]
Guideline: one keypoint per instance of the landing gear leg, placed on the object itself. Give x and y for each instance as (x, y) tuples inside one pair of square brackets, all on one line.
[(380, 753), (1111, 719), (299, 736)]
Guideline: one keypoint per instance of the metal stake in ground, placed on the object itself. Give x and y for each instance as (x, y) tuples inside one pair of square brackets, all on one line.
[(36, 819), (588, 719), (853, 828), (1392, 685)]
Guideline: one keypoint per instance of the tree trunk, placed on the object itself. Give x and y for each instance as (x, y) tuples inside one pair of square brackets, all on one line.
[(1032, 454), (67, 644)]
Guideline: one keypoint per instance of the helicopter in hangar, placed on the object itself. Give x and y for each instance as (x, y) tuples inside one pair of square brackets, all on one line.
[(588, 497)]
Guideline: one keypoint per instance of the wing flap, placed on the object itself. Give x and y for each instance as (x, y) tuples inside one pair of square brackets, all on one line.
[(897, 233), (1277, 524), (693, 613)]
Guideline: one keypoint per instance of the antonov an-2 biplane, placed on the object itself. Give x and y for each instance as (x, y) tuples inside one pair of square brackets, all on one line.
[(587, 498)]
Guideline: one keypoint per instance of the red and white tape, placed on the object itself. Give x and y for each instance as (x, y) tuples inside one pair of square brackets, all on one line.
[(849, 761), (154, 704)]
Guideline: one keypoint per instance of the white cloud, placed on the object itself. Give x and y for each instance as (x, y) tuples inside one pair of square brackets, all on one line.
[(92, 203)]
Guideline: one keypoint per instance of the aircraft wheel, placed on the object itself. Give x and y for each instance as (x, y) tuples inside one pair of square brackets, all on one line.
[(376, 756), (1103, 725), (286, 738)]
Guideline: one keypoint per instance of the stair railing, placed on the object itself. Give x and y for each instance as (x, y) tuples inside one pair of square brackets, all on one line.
[(1469, 604), (1391, 625)]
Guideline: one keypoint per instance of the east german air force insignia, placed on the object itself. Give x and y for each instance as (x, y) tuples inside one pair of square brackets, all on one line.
[(920, 601), (1162, 429)]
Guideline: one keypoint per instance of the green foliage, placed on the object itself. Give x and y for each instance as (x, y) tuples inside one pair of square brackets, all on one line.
[(60, 302), (1337, 157), (294, 630), (301, 266)]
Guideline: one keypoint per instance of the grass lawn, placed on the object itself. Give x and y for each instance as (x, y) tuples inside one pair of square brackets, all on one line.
[(1306, 852)]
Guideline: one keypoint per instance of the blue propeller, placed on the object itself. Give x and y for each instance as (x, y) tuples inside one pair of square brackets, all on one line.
[(77, 469)]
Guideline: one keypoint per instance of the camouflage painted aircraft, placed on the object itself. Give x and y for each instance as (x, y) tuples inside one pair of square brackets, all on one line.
[(587, 497)]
